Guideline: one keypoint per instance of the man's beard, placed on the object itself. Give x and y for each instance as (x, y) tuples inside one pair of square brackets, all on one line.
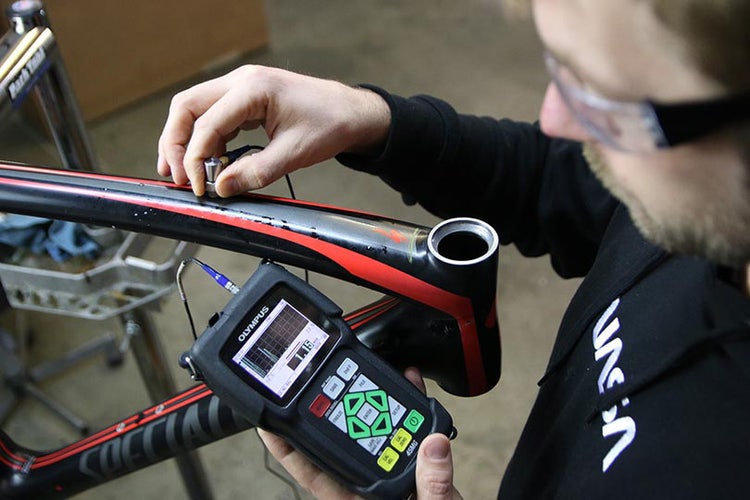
[(714, 230)]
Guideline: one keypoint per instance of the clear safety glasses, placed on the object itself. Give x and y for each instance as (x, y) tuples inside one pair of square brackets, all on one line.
[(644, 126)]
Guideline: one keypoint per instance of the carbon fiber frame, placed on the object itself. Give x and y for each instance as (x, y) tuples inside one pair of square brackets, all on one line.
[(438, 316)]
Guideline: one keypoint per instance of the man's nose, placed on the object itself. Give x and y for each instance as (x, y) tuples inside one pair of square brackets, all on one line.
[(557, 119)]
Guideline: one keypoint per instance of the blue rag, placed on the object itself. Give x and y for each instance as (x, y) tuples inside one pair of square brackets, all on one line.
[(61, 240)]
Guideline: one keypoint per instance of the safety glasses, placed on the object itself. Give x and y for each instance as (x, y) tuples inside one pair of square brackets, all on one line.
[(644, 126)]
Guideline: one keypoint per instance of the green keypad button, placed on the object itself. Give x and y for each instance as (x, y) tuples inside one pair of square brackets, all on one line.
[(413, 421), (378, 399), (357, 429), (382, 425), (353, 402)]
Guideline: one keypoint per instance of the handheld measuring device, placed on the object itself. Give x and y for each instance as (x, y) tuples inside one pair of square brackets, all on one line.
[(281, 355)]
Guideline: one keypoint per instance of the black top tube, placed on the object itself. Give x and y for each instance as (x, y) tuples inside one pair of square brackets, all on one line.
[(382, 254)]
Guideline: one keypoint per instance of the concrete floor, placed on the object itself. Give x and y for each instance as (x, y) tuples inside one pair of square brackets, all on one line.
[(464, 52)]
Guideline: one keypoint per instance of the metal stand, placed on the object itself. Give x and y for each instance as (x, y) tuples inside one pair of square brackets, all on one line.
[(22, 380), (150, 357), (38, 68), (52, 89)]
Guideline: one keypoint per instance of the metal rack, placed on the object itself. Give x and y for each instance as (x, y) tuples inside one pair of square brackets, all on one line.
[(120, 282)]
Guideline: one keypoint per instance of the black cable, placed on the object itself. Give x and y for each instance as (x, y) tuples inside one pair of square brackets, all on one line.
[(289, 184), (219, 278), (235, 154)]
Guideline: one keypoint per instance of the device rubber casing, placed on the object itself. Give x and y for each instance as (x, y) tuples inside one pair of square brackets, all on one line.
[(291, 417)]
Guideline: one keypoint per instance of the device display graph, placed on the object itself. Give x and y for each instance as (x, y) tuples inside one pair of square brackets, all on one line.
[(281, 347)]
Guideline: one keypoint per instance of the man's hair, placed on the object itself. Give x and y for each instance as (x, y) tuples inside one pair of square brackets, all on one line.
[(717, 36), (716, 33), (718, 39)]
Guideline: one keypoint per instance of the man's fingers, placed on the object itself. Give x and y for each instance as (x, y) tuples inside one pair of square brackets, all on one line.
[(171, 145), (307, 120), (169, 163), (184, 109), (414, 376), (302, 470), (260, 169), (212, 129)]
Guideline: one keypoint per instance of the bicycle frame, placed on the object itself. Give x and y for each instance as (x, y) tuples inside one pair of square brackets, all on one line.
[(439, 314)]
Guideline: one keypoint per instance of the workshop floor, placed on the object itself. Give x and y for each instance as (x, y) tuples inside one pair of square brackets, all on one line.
[(464, 52)]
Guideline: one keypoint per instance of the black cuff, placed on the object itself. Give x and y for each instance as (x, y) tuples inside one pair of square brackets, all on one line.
[(418, 124)]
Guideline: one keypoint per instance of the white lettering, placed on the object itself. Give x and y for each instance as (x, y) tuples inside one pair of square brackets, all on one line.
[(250, 326), (613, 348), (615, 377), (17, 86), (602, 321), (607, 345), (412, 447), (626, 426), (36, 60), (609, 415)]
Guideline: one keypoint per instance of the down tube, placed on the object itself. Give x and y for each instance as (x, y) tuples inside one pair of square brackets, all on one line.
[(184, 422), (380, 253), (187, 421)]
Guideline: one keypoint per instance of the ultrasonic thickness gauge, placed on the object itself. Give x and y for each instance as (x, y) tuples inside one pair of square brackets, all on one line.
[(281, 355)]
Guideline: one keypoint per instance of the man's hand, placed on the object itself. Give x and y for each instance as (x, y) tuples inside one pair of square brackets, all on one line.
[(434, 465), (307, 120)]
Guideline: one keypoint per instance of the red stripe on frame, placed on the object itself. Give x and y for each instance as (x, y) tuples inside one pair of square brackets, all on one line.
[(111, 432), (183, 187)]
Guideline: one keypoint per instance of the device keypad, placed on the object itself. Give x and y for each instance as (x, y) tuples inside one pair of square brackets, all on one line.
[(372, 418)]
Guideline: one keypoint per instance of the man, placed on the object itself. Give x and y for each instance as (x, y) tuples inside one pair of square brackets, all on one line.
[(646, 392)]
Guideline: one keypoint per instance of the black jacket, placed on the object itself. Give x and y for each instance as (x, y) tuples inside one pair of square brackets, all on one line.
[(647, 392)]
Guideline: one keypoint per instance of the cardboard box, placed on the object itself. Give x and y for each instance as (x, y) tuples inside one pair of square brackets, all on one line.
[(119, 52)]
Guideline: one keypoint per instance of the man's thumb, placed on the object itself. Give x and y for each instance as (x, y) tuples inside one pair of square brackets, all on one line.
[(435, 469)]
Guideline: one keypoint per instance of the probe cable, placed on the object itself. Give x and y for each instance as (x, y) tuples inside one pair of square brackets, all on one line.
[(222, 280)]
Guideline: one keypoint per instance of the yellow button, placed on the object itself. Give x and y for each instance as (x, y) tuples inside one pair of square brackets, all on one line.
[(401, 440), (388, 459)]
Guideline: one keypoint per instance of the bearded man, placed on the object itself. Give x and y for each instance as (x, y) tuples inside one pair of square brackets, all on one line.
[(637, 177)]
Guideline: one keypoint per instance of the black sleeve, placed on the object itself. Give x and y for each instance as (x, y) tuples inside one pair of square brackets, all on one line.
[(538, 193)]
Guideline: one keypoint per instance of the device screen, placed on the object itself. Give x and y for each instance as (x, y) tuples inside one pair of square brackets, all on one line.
[(279, 344)]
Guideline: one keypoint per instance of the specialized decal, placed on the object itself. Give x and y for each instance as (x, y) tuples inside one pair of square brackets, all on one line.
[(175, 433), (608, 347)]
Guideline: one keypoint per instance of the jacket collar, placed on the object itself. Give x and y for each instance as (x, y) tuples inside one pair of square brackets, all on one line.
[(623, 259)]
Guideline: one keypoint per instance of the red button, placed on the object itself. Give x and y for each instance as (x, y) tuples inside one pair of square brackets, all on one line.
[(319, 405)]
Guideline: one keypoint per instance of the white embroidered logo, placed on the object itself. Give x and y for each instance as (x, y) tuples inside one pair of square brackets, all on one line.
[(609, 347)]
